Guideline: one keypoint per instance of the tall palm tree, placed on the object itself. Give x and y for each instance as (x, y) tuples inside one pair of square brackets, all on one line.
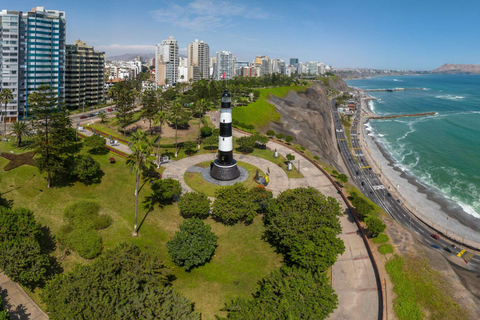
[(199, 108), (160, 119), (176, 114), (5, 97), (20, 129), (139, 160)]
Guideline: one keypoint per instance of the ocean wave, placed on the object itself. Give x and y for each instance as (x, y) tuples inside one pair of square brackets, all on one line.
[(449, 97), (397, 80)]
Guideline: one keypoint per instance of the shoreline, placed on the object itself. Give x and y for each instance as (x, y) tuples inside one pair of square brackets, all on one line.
[(422, 200)]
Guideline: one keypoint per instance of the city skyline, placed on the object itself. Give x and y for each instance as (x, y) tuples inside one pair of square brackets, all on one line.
[(406, 35)]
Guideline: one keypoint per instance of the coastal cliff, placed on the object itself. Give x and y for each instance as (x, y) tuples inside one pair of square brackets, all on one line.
[(307, 117)]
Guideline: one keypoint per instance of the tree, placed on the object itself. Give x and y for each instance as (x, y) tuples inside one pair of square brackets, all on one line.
[(199, 108), (303, 224), (102, 116), (5, 96), (211, 141), (288, 293), (123, 283), (150, 107), (95, 143), (164, 191), (290, 157), (262, 139), (280, 136), (289, 139), (270, 133), (176, 114), (53, 135), (193, 245), (124, 95), (23, 257), (189, 146), (261, 197), (246, 143), (362, 206), (138, 161), (206, 132), (234, 204), (86, 169), (342, 178), (19, 129), (160, 119), (375, 226), (194, 204)]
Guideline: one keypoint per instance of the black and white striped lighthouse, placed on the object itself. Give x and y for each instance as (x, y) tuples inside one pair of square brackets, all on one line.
[(225, 168)]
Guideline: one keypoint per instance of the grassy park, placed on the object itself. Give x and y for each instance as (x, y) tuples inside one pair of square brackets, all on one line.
[(240, 261)]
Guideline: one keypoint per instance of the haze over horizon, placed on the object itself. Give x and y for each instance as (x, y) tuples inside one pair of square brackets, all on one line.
[(368, 34)]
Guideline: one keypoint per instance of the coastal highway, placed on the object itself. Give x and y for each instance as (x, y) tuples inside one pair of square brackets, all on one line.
[(373, 188)]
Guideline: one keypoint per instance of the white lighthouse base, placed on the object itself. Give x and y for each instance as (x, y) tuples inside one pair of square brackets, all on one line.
[(224, 173)]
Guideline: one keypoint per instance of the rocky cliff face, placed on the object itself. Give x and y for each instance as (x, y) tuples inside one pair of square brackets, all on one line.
[(307, 117)]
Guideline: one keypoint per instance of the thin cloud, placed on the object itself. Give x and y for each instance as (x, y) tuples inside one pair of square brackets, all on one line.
[(201, 15)]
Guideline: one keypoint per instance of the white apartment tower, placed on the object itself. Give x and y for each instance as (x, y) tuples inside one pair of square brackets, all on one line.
[(166, 62), (224, 65), (198, 54)]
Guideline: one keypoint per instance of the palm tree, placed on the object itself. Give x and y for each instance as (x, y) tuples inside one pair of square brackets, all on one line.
[(102, 116), (199, 108), (20, 129), (176, 114), (139, 160), (5, 97), (160, 119)]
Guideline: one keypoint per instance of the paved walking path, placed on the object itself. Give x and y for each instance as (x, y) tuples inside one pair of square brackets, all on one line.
[(17, 302)]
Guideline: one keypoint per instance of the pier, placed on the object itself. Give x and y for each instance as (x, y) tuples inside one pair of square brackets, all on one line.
[(402, 115), (391, 89)]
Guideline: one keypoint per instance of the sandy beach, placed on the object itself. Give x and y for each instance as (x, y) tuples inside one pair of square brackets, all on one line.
[(418, 198)]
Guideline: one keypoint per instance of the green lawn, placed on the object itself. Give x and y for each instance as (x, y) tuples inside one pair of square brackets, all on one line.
[(260, 112), (241, 259), (195, 181), (268, 155)]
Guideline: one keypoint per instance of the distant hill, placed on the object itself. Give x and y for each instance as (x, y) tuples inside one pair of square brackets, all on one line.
[(130, 56), (449, 68)]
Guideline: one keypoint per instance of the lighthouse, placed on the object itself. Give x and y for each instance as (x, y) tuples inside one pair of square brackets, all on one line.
[(225, 168)]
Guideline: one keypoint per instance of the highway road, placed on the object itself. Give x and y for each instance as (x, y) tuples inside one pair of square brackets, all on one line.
[(373, 188)]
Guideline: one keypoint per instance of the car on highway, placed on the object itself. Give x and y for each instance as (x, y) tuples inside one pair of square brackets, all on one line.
[(357, 173), (91, 115), (109, 110), (435, 246), (389, 194), (363, 183), (83, 117), (453, 246), (435, 236), (448, 249)]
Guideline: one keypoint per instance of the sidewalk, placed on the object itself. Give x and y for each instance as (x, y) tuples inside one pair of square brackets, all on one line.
[(17, 302)]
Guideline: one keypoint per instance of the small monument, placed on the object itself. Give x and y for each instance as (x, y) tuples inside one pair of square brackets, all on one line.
[(275, 155), (225, 168)]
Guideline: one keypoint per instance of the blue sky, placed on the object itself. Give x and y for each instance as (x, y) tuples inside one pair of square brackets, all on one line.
[(374, 34)]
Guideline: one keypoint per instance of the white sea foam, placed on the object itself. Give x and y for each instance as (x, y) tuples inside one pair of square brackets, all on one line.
[(449, 97), (397, 80)]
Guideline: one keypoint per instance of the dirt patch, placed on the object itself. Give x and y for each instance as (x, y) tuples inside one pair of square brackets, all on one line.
[(16, 160)]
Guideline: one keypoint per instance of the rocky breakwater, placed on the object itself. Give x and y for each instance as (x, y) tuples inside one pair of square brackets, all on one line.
[(307, 117)]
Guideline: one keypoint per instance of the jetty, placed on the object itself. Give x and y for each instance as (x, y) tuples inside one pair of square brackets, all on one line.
[(402, 115), (391, 89)]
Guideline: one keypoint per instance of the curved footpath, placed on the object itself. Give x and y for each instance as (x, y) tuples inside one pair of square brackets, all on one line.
[(17, 302)]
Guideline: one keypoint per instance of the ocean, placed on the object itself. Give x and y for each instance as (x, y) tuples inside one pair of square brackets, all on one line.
[(441, 152)]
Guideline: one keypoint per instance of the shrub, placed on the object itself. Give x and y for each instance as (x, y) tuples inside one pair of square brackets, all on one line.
[(234, 204), (103, 221), (81, 211), (289, 139), (206, 132), (270, 133), (261, 197), (385, 248), (342, 178), (316, 157), (85, 241), (86, 169), (164, 191), (280, 136), (381, 238), (193, 245), (194, 205), (189, 146), (95, 143)]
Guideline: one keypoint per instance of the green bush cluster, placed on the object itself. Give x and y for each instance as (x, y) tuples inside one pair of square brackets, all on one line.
[(193, 245), (241, 125), (233, 204), (381, 238), (79, 234), (385, 248), (194, 205)]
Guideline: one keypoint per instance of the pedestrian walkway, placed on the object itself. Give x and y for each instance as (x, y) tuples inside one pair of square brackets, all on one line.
[(278, 178), (120, 146), (17, 302)]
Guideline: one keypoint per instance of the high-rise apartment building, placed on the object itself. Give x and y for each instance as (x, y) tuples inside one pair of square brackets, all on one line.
[(198, 55), (224, 65), (84, 76), (32, 47), (293, 61), (166, 62)]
